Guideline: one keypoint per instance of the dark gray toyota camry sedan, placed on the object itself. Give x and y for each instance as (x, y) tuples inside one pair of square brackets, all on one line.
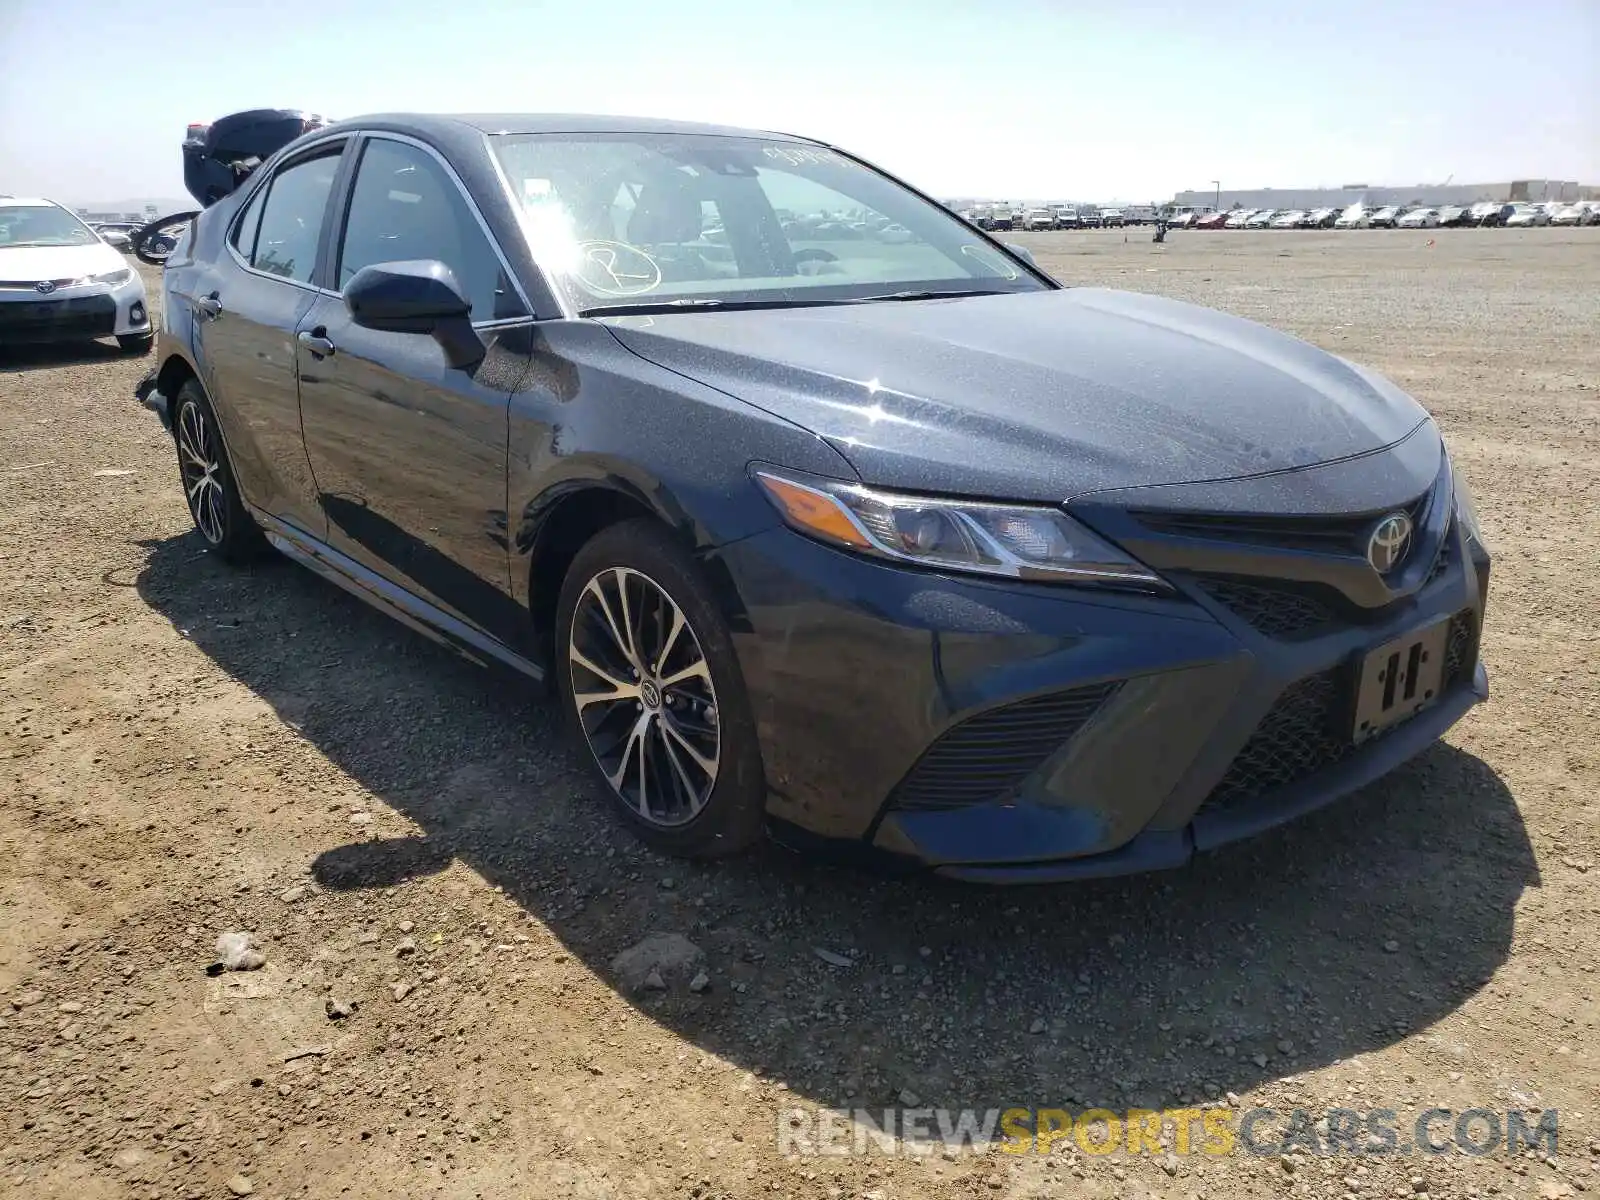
[(825, 514)]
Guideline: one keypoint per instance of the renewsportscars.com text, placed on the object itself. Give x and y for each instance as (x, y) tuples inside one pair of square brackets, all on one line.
[(1214, 1131)]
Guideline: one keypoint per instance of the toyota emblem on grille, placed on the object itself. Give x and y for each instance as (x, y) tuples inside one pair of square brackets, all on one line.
[(45, 285), (1388, 542)]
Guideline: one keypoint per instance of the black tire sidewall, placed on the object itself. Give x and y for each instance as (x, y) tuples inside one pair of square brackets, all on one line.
[(733, 817)]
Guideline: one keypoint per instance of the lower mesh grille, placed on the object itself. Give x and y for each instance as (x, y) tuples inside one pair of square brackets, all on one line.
[(1277, 612), (1306, 730), (1460, 649), (986, 757), (1297, 737)]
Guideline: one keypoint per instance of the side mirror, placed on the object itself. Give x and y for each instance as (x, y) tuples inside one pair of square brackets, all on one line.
[(1023, 253), (416, 296)]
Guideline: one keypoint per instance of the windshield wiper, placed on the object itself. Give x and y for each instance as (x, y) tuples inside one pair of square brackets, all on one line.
[(699, 304), (931, 295)]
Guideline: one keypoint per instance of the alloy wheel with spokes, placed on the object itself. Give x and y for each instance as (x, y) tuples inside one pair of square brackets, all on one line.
[(209, 487), (200, 462), (644, 697)]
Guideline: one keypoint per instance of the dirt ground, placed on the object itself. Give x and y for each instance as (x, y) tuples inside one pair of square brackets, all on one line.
[(187, 749)]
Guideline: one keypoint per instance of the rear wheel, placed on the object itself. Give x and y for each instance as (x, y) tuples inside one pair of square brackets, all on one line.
[(652, 688), (209, 489)]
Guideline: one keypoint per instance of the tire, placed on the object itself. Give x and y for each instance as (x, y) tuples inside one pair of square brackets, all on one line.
[(212, 496), (137, 344), (650, 745)]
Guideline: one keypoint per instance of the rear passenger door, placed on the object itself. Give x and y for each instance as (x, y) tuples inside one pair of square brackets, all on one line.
[(409, 453), (246, 316)]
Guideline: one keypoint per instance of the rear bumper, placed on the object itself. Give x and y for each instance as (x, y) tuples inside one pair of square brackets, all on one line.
[(858, 672)]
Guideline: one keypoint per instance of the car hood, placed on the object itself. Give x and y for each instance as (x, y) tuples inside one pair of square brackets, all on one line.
[(20, 263), (1037, 396)]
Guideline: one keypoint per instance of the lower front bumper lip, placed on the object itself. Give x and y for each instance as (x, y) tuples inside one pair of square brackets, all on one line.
[(1156, 850)]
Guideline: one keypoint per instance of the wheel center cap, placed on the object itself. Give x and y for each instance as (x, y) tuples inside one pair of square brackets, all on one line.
[(650, 694)]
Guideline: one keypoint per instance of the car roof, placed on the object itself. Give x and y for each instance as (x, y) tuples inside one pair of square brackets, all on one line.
[(28, 202), (454, 125)]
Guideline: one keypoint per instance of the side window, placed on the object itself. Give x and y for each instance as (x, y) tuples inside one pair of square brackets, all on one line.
[(244, 233), (291, 219), (406, 206)]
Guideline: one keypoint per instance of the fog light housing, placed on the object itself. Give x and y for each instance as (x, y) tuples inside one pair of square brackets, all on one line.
[(136, 312)]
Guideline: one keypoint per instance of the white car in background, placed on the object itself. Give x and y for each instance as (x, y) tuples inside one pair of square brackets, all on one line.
[(1288, 219), (1419, 218), (1526, 215), (1239, 219), (1038, 218), (60, 282), (1357, 216), (1570, 214), (1262, 219)]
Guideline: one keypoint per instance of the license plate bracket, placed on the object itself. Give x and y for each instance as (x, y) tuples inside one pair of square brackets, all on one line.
[(1399, 679)]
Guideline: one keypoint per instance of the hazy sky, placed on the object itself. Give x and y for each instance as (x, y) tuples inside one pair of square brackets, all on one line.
[(1124, 99)]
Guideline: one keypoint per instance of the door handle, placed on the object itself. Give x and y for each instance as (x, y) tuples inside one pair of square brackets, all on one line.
[(319, 346), (209, 305)]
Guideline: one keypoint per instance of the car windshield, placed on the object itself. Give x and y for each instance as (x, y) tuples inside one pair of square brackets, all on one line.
[(41, 225), (646, 220)]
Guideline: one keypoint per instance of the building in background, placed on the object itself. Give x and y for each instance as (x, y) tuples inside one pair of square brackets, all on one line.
[(1360, 193)]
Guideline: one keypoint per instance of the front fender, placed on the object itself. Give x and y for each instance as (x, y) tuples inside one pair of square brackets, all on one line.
[(591, 414)]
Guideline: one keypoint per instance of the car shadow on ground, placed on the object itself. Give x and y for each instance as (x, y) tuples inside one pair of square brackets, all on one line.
[(46, 356), (1340, 934)]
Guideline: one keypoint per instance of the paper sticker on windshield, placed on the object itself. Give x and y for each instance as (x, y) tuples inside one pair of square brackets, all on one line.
[(616, 269), (803, 156), (993, 261)]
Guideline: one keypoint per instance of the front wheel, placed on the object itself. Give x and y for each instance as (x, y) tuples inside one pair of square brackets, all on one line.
[(209, 489), (652, 688)]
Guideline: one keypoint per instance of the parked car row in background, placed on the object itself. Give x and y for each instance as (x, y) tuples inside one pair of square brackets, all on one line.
[(1000, 216), (1394, 216)]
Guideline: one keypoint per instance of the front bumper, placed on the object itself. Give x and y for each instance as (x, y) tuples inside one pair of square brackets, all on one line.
[(74, 313), (148, 393), (859, 673)]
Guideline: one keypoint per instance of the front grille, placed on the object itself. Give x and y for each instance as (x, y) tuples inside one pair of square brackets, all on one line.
[(1306, 729), (1321, 535), (986, 757), (1276, 611), (1442, 560), (51, 320), (31, 285)]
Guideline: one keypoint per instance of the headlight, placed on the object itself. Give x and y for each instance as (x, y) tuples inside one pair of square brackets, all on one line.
[(1466, 511), (1015, 541)]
